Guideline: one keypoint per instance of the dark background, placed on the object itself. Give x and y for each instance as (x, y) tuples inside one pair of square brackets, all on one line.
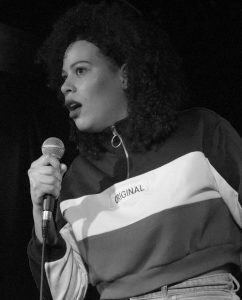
[(206, 34)]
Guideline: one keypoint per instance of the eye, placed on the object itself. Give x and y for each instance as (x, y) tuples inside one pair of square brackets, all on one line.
[(80, 71)]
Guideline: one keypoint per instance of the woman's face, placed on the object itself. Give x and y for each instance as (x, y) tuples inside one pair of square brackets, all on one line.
[(94, 89)]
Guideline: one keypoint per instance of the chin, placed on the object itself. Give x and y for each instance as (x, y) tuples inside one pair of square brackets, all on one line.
[(85, 126)]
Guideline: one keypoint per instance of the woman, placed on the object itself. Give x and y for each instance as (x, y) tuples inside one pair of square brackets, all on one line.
[(151, 206)]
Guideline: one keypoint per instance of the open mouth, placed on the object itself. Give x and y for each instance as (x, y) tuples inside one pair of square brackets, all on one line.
[(73, 106)]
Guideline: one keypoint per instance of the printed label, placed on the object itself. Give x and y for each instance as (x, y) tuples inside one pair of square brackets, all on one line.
[(127, 194)]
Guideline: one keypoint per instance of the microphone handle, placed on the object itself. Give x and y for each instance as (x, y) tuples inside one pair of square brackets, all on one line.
[(49, 203)]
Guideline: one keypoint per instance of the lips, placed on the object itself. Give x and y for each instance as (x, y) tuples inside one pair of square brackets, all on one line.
[(73, 107)]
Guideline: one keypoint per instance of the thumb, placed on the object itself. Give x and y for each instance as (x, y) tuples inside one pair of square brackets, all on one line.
[(63, 169)]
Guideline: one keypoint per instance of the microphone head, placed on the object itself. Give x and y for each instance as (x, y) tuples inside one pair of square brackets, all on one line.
[(53, 147)]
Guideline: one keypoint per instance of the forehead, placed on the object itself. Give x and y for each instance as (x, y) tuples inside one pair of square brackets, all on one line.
[(81, 51)]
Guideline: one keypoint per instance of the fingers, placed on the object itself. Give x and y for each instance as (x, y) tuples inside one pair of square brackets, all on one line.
[(49, 179), (46, 160), (63, 169), (48, 171), (47, 165), (42, 189), (45, 176)]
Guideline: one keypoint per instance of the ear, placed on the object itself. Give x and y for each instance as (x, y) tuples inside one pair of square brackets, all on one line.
[(124, 76)]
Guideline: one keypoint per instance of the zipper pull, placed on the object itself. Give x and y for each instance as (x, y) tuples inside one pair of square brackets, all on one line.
[(116, 140)]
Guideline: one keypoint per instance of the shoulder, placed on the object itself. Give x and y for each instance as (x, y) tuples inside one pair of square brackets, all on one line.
[(207, 119), (202, 121), (202, 129), (200, 114), (206, 122)]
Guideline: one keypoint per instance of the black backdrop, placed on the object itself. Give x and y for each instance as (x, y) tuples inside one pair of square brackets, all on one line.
[(207, 34)]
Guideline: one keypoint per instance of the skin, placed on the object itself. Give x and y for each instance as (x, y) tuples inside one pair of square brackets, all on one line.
[(92, 81), (94, 91)]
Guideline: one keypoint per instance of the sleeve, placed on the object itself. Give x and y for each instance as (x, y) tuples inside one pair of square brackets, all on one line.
[(224, 152), (34, 252), (65, 276)]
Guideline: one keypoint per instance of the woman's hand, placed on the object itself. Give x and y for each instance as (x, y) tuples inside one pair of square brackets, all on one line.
[(45, 177)]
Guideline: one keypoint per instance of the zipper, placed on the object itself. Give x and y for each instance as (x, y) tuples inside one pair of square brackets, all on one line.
[(117, 136)]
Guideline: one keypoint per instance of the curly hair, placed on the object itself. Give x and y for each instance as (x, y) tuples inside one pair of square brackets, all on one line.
[(124, 36)]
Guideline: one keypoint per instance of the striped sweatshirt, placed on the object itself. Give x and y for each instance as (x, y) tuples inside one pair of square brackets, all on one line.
[(129, 223)]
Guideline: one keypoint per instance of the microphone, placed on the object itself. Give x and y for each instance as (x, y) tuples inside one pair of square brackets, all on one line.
[(53, 147)]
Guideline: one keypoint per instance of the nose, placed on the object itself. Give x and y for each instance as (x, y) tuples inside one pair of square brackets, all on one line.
[(67, 87)]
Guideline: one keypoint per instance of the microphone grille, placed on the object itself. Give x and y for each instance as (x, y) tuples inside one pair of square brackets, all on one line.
[(54, 147)]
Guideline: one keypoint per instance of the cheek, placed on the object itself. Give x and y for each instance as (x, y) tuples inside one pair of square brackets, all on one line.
[(102, 85), (91, 88), (101, 90)]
